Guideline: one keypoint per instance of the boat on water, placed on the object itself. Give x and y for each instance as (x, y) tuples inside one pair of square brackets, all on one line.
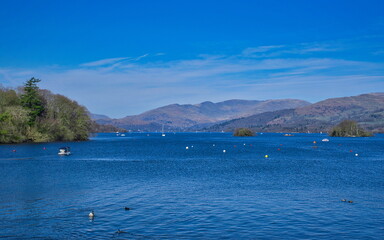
[(64, 151), (325, 140), (162, 131)]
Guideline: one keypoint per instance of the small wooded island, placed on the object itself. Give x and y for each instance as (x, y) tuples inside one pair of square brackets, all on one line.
[(243, 132), (349, 128), (30, 114)]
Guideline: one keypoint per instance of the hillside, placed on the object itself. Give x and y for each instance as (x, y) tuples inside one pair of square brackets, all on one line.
[(31, 114), (183, 117), (366, 109)]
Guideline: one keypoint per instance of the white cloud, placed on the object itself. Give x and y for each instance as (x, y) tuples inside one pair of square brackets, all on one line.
[(124, 86), (261, 49), (104, 62)]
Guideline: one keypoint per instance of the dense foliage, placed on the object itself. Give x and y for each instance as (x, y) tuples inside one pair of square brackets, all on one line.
[(243, 132), (35, 115), (348, 128)]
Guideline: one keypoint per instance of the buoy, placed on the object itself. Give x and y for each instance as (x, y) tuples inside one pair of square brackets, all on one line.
[(278, 149), (224, 151), (91, 214), (44, 148), (266, 156), (14, 150), (356, 155), (186, 148), (314, 142), (350, 151), (213, 145)]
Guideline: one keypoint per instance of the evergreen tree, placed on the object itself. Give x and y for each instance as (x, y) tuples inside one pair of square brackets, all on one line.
[(31, 100)]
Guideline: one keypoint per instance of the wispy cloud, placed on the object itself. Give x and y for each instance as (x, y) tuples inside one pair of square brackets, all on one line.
[(260, 49), (284, 50), (104, 62), (126, 85)]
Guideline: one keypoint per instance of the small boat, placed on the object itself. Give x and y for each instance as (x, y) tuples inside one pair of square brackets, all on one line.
[(65, 151), (162, 131), (325, 140)]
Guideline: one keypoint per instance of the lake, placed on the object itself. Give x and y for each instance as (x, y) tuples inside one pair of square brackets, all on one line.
[(185, 186)]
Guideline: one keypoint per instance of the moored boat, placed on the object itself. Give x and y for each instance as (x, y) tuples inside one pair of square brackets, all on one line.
[(64, 151)]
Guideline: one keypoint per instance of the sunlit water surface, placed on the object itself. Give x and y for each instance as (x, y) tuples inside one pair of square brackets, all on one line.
[(201, 192)]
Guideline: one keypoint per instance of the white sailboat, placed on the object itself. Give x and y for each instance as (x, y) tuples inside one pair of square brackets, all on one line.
[(162, 131)]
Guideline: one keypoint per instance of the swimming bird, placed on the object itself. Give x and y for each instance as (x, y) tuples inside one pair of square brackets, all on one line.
[(91, 214), (127, 208), (350, 201), (343, 200), (120, 231)]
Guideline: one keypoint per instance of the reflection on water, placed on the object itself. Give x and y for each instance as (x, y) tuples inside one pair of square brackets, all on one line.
[(196, 193)]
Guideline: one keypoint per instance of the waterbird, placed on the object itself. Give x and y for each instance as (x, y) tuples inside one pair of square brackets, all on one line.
[(350, 201), (343, 200), (127, 208), (119, 231), (91, 214)]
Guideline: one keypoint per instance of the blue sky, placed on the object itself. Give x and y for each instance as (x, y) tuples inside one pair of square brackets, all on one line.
[(125, 57)]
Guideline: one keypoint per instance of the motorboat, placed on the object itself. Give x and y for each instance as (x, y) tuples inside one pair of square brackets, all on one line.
[(325, 140), (64, 151)]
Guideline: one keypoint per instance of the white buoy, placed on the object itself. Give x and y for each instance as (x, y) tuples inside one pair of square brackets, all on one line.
[(356, 155), (186, 148), (224, 151)]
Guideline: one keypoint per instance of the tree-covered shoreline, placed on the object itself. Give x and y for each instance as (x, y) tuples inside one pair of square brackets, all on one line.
[(30, 114)]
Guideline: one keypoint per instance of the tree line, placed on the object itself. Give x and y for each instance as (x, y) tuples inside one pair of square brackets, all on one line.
[(30, 114)]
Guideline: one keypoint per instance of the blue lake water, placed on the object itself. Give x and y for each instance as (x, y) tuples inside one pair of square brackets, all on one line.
[(195, 193)]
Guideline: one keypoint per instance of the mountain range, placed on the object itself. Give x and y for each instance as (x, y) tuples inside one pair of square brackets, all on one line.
[(177, 117), (285, 115), (366, 109)]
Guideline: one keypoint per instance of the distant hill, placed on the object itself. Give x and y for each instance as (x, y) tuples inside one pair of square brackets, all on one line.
[(366, 109), (188, 116), (98, 116)]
